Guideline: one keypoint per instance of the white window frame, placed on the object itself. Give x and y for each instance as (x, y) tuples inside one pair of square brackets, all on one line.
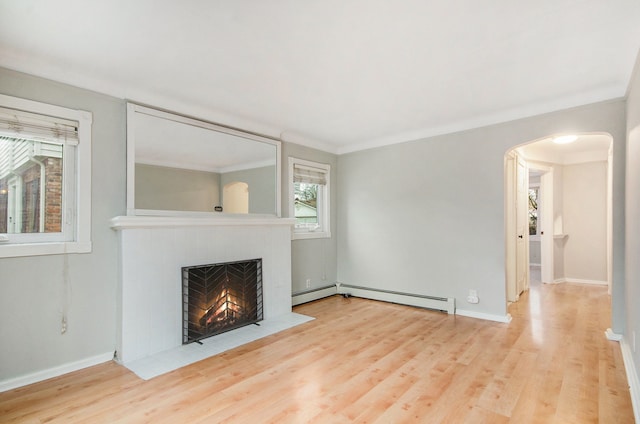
[(324, 204), (76, 235)]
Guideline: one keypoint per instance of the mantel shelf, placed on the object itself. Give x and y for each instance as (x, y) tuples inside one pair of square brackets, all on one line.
[(132, 222)]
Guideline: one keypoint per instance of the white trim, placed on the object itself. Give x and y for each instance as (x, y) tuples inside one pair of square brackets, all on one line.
[(632, 378), (125, 222), (309, 296), (610, 335), (201, 214), (131, 161), (580, 281), (77, 186), (298, 235), (325, 202), (190, 167), (133, 109), (83, 178), (481, 315), (38, 376), (603, 94), (38, 249), (409, 299)]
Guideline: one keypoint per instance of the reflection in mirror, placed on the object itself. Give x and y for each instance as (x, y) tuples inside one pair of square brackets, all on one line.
[(179, 165)]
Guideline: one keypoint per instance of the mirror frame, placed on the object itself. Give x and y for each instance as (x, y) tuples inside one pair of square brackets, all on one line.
[(134, 108)]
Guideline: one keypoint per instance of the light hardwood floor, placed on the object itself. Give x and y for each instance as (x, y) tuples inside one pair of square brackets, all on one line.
[(367, 361)]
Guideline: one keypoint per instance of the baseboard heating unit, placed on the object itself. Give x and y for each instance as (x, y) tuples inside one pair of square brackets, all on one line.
[(313, 294), (445, 304)]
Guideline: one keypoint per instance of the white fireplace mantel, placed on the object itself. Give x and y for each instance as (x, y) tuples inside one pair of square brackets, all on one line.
[(153, 250)]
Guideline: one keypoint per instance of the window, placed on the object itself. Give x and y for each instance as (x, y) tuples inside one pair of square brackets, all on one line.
[(45, 179), (309, 198), (534, 228)]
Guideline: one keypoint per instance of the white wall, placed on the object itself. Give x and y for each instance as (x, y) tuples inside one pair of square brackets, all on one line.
[(33, 292), (632, 286), (584, 213), (427, 217)]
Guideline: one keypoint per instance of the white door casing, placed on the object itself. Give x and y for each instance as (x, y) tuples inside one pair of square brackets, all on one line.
[(510, 226), (522, 226)]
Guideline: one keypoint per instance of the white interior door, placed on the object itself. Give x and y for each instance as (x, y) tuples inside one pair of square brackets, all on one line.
[(545, 217), (522, 226)]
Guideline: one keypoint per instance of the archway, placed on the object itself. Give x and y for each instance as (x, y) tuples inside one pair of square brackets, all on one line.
[(573, 225), (235, 197)]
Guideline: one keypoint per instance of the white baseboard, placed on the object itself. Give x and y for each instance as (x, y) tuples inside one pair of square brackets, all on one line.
[(437, 303), (632, 377), (35, 377), (610, 335), (580, 281), (481, 315), (311, 295)]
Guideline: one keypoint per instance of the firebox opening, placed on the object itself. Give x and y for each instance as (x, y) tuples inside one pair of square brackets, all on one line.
[(220, 297)]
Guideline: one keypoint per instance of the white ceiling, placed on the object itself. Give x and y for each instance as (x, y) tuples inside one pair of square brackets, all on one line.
[(586, 148), (339, 75)]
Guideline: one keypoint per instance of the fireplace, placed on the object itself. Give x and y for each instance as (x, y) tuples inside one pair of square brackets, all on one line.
[(220, 297)]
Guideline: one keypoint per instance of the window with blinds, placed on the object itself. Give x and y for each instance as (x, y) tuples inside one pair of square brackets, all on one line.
[(309, 198), (43, 149)]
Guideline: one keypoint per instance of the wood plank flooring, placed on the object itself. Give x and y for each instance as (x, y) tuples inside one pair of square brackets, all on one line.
[(365, 361)]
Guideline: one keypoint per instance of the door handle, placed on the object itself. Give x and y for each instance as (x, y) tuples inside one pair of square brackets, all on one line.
[(520, 236)]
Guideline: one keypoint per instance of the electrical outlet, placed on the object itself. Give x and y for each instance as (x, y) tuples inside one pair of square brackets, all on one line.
[(473, 296), (308, 282)]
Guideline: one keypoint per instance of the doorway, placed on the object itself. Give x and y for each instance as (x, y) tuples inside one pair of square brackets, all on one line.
[(540, 222), (562, 195)]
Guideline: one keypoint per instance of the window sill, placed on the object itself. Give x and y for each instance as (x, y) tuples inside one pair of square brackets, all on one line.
[(41, 249), (310, 235)]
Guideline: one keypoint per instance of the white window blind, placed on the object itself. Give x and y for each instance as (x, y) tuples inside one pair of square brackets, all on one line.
[(25, 125), (309, 175)]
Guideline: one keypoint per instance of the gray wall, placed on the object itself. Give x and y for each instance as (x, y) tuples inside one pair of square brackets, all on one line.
[(584, 212), (163, 188), (632, 287), (424, 217), (427, 216), (262, 187), (313, 259), (33, 292), (534, 252), (558, 223)]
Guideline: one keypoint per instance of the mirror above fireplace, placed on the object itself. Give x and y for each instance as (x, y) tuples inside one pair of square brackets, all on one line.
[(178, 165)]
